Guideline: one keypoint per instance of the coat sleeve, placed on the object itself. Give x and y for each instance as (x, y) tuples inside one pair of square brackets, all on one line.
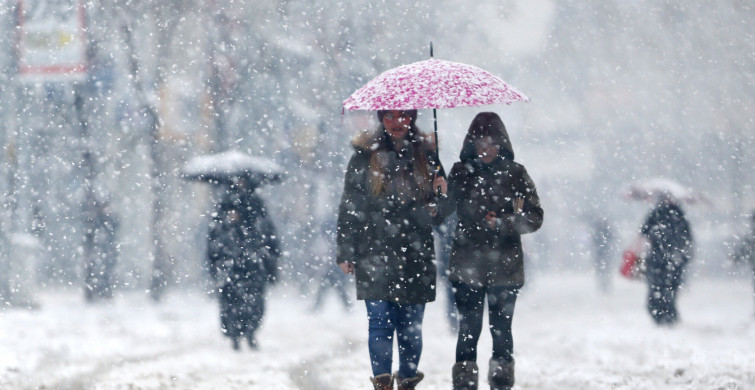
[(447, 204), (351, 211), (531, 217)]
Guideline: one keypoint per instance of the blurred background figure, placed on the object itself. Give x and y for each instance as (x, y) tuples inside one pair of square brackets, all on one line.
[(331, 278), (603, 251), (670, 237), (243, 252), (334, 280), (243, 247), (101, 250), (744, 251)]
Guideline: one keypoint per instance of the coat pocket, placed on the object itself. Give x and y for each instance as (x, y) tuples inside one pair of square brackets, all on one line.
[(508, 254)]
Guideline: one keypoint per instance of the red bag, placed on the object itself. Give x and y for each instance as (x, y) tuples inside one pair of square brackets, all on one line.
[(633, 259), (630, 265)]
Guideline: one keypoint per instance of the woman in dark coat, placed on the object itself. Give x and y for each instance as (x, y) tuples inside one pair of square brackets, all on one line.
[(385, 238), (670, 237), (243, 253), (496, 202)]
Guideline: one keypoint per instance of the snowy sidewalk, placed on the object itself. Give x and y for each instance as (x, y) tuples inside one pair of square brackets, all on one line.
[(567, 336)]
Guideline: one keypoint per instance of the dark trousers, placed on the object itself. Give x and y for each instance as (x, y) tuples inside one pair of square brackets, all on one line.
[(470, 301), (385, 318), (664, 276)]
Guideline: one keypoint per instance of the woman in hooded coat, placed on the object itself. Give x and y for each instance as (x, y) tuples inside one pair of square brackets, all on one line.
[(385, 238), (496, 202)]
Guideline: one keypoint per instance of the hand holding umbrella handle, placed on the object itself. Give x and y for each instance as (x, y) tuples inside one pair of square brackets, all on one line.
[(440, 185)]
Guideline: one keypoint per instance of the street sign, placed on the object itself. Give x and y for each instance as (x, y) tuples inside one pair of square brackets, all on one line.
[(51, 40)]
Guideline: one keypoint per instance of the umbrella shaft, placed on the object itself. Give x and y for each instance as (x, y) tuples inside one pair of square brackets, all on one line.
[(435, 124)]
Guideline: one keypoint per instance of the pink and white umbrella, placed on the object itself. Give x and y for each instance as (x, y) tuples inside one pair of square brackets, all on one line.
[(432, 84)]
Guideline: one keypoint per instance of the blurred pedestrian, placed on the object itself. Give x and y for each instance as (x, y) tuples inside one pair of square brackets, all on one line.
[(331, 278), (385, 238), (243, 253), (101, 249), (496, 202), (668, 232), (744, 251), (602, 240)]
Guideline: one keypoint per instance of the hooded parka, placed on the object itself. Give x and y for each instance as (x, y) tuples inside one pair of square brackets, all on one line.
[(481, 255), (388, 235)]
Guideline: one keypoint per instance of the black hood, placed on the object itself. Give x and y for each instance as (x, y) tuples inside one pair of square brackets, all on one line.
[(487, 124)]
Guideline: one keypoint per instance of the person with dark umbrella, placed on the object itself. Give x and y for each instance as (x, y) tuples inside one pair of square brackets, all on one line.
[(243, 252)]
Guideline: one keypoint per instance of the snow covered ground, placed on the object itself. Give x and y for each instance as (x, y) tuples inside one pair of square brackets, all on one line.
[(567, 336)]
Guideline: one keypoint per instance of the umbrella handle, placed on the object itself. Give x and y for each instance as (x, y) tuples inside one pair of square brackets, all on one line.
[(438, 172)]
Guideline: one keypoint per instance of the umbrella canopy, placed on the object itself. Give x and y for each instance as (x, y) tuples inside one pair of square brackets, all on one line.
[(432, 84), (224, 167), (653, 189)]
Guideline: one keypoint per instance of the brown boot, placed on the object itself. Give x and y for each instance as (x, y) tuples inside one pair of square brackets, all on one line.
[(465, 375), (408, 383), (501, 374), (383, 382)]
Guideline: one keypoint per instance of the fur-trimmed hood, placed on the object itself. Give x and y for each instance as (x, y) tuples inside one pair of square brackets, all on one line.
[(371, 140), (393, 172)]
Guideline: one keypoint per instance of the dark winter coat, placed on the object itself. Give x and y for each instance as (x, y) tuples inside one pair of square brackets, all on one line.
[(670, 237), (243, 256), (482, 256), (387, 236), (246, 250)]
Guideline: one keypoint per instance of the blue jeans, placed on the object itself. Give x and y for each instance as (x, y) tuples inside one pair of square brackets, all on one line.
[(385, 318)]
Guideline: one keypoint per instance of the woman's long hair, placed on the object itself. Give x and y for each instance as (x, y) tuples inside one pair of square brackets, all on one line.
[(418, 146)]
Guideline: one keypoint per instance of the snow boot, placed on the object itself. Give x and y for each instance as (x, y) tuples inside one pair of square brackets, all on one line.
[(383, 382), (465, 375), (408, 383), (501, 374), (235, 344), (253, 344)]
